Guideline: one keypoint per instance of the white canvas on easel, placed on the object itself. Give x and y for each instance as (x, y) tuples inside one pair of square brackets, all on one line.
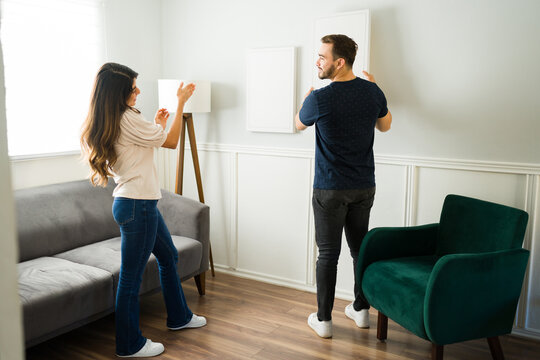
[(357, 26), (271, 89)]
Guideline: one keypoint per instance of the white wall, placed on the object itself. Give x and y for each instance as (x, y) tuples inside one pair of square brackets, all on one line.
[(461, 79), (134, 39), (11, 344)]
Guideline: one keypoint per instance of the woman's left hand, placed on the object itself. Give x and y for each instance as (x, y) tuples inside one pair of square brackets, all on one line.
[(162, 115)]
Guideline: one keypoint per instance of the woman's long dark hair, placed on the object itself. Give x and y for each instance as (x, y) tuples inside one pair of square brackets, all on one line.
[(112, 89)]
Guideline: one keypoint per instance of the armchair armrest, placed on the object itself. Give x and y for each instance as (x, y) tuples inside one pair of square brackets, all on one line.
[(472, 296), (394, 242), (189, 218)]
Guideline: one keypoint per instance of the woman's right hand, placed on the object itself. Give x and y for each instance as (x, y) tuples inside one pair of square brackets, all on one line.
[(185, 92)]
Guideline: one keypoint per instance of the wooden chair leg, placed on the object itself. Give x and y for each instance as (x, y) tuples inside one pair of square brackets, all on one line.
[(201, 284), (382, 326), (436, 351), (495, 348)]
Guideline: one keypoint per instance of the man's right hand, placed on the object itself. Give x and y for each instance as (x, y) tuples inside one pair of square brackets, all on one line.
[(309, 92), (368, 76)]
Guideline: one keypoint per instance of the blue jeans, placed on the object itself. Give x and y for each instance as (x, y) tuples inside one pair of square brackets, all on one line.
[(143, 232), (335, 210)]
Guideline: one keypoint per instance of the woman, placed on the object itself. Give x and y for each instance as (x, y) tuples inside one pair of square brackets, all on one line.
[(119, 142)]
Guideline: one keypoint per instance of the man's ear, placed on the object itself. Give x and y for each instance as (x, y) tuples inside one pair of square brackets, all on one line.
[(341, 63)]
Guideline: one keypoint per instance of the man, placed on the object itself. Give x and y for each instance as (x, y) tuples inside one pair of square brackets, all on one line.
[(345, 113)]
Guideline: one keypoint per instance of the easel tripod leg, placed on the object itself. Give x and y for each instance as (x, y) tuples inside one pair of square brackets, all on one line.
[(188, 119)]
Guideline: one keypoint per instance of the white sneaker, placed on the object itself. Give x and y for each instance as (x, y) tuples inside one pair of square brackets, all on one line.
[(322, 328), (361, 318), (195, 322), (149, 349)]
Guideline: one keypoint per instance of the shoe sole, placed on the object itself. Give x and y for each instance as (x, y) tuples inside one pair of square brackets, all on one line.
[(322, 337), (353, 319), (144, 355), (186, 327), (141, 356), (315, 331)]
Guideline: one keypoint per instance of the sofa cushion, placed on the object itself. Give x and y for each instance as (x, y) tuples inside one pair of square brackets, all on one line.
[(61, 217), (106, 255), (397, 288), (56, 293)]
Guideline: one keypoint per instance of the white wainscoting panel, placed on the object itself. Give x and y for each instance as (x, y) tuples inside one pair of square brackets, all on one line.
[(390, 206), (434, 184), (273, 215), (261, 220), (216, 175), (389, 209)]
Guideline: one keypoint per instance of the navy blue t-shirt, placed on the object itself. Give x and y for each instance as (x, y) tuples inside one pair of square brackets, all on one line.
[(345, 113)]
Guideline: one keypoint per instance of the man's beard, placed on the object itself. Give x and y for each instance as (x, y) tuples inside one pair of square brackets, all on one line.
[(328, 74)]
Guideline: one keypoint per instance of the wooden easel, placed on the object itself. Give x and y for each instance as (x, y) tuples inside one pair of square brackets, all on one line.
[(187, 121)]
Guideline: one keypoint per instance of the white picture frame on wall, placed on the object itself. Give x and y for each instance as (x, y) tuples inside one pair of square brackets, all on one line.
[(357, 26), (271, 89)]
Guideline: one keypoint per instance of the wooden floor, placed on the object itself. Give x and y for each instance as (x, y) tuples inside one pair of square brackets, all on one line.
[(252, 320)]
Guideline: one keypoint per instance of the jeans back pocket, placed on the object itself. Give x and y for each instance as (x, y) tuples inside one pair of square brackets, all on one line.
[(123, 210)]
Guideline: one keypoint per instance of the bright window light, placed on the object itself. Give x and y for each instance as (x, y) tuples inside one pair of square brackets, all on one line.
[(52, 50)]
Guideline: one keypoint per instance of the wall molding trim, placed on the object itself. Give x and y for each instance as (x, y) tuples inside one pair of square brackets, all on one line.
[(441, 163), (256, 150), (19, 158)]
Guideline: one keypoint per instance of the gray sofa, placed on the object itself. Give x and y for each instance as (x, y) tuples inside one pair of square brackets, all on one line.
[(69, 253)]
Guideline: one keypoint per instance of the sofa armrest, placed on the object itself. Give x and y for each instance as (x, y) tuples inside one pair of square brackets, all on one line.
[(471, 296), (395, 242), (189, 218)]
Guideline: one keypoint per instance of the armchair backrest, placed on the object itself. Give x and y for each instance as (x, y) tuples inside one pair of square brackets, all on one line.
[(470, 225)]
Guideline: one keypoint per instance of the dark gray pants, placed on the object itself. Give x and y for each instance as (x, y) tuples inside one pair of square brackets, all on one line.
[(334, 210)]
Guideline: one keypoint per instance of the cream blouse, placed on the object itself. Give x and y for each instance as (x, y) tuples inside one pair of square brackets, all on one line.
[(135, 172)]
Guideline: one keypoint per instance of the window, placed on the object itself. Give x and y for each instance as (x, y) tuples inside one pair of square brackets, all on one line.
[(52, 50)]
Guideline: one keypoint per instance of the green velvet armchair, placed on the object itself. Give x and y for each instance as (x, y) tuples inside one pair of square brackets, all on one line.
[(456, 280)]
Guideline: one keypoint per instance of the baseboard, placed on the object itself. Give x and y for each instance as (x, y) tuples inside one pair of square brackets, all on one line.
[(529, 334), (265, 278), (342, 295)]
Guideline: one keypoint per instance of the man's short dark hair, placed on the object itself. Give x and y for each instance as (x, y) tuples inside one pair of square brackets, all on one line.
[(343, 47)]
